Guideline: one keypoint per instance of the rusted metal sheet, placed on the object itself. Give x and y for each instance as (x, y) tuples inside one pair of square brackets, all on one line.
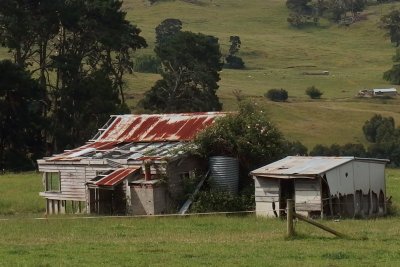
[(158, 133), (116, 176), (157, 127)]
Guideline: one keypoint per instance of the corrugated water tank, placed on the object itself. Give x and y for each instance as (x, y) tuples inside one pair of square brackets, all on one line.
[(225, 173)]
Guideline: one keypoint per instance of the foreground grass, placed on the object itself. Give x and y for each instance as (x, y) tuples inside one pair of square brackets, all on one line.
[(184, 241), (195, 241), (19, 194)]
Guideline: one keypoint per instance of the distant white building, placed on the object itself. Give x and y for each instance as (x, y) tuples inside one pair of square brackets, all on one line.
[(322, 186), (384, 92)]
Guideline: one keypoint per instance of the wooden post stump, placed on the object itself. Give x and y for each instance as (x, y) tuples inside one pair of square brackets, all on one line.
[(290, 227)]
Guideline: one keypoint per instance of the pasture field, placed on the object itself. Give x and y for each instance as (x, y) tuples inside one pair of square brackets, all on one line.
[(184, 241), (276, 56)]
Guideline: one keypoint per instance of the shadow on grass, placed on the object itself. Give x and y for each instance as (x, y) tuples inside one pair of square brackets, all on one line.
[(302, 236)]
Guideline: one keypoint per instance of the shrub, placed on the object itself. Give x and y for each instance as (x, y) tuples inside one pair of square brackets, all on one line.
[(147, 64), (313, 92), (219, 201), (234, 62), (248, 136), (277, 95), (296, 148), (349, 149)]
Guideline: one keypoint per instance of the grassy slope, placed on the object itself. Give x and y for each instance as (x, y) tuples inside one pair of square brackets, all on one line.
[(356, 58)]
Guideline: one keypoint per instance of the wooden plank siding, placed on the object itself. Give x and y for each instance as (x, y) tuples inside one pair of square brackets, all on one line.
[(73, 180), (267, 196), (307, 194)]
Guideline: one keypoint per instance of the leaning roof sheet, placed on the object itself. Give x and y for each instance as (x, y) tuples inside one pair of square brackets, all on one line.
[(116, 176), (156, 127), (301, 166)]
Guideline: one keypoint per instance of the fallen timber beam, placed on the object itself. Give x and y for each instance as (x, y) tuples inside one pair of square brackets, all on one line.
[(291, 214)]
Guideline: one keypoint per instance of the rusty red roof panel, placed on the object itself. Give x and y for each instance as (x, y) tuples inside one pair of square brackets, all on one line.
[(158, 127), (116, 176)]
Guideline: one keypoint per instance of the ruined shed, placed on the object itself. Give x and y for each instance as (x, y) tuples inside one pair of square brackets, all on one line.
[(322, 186), (133, 165)]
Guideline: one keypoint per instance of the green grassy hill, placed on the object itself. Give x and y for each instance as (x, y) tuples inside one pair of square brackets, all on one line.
[(276, 55)]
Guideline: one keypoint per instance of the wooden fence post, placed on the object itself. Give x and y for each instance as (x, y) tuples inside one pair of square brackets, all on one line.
[(290, 228)]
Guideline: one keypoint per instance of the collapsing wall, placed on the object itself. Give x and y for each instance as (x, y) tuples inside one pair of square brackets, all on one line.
[(356, 189)]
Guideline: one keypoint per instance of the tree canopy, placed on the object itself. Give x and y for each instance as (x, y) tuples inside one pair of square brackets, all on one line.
[(22, 119), (247, 135), (391, 23), (190, 66), (80, 50)]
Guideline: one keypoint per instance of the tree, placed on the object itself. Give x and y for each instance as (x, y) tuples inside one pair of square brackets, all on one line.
[(190, 66), (356, 150), (233, 61), (391, 23), (277, 94), (69, 43), (313, 92), (299, 6), (378, 128), (393, 75), (302, 12), (247, 135), (27, 29), (167, 28), (83, 107), (22, 102)]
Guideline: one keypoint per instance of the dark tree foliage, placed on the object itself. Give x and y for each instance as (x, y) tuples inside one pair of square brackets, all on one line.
[(70, 44), (277, 94), (393, 75), (313, 92), (190, 66), (233, 61), (299, 6), (391, 23), (378, 128), (356, 150), (308, 11), (22, 104), (296, 148), (83, 107), (167, 28), (248, 136)]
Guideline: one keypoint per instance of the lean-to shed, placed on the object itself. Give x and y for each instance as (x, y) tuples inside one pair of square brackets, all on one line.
[(133, 165), (322, 186)]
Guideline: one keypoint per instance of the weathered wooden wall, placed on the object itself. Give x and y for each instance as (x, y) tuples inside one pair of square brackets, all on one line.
[(267, 196), (307, 195)]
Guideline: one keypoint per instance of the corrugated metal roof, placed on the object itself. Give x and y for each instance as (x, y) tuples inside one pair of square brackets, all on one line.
[(157, 127), (116, 176), (301, 166), (159, 133), (77, 153)]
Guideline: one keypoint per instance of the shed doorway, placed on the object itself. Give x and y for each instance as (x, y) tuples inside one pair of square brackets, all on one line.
[(107, 201), (286, 192)]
